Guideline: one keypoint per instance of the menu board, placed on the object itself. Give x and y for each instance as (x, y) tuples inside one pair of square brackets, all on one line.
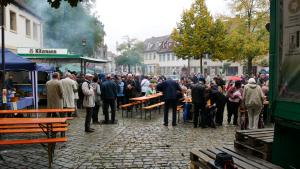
[(289, 50)]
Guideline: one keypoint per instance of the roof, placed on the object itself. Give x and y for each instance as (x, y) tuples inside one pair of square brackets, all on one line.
[(51, 56), (160, 44), (21, 4), (15, 62), (94, 60)]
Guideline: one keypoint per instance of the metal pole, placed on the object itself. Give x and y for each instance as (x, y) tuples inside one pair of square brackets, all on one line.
[(3, 57)]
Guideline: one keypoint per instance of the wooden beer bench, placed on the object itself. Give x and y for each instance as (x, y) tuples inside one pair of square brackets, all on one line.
[(35, 111), (49, 126), (150, 108), (128, 107)]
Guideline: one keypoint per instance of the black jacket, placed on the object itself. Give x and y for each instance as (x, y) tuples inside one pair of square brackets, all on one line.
[(218, 98), (108, 90), (169, 89), (130, 93), (198, 94)]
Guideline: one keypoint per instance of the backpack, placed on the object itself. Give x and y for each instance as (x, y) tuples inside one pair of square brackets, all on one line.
[(224, 161)]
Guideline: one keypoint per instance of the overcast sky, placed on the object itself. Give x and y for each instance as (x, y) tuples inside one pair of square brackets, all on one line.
[(142, 19)]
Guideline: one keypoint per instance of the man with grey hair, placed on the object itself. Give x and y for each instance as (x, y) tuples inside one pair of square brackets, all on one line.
[(69, 88), (88, 101), (253, 98), (54, 94)]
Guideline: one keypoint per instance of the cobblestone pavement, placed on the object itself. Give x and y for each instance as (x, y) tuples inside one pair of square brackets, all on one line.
[(132, 143)]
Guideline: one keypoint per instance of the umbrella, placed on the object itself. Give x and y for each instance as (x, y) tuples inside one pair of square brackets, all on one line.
[(234, 78)]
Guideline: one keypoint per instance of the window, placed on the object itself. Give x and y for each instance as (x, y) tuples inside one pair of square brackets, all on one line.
[(4, 17), (154, 56), (28, 27), (168, 56), (173, 57), (35, 31), (13, 21)]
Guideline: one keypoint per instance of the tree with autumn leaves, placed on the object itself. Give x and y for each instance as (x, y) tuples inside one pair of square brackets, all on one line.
[(198, 34), (239, 38), (248, 37)]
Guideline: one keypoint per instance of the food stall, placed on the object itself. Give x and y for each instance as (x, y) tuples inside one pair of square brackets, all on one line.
[(19, 65)]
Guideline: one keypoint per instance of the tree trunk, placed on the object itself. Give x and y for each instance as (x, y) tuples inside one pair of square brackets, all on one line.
[(129, 71), (201, 65), (189, 66), (249, 66)]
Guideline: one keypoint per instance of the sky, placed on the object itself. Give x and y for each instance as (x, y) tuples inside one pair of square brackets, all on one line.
[(142, 19)]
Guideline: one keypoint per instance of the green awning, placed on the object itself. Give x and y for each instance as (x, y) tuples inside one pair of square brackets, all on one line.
[(51, 56)]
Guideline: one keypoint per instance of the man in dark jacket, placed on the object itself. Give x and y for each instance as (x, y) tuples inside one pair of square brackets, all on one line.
[(220, 100), (199, 102), (131, 88), (170, 89), (109, 95)]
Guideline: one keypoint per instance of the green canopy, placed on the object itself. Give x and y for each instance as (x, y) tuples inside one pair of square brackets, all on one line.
[(51, 56)]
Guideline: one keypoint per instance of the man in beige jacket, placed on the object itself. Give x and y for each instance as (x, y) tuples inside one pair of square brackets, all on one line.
[(88, 101), (68, 86), (54, 93), (253, 99)]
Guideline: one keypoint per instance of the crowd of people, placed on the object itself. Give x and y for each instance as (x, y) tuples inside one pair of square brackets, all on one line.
[(245, 98)]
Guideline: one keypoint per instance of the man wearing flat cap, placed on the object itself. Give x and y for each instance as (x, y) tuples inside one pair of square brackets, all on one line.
[(88, 101)]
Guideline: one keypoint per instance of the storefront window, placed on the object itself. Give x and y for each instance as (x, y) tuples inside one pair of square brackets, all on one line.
[(289, 50)]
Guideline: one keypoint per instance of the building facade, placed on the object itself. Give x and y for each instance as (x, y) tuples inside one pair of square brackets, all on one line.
[(159, 57), (23, 28)]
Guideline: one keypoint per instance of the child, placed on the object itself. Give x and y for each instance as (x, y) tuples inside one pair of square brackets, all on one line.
[(151, 89)]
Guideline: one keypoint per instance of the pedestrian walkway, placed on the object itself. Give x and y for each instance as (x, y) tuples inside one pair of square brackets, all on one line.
[(132, 143)]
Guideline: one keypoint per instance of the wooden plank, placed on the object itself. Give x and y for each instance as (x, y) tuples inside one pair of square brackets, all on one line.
[(28, 111), (239, 163), (269, 140), (153, 106), (9, 121), (243, 135), (260, 135), (244, 159), (255, 130), (35, 130), (33, 141), (266, 137), (199, 159), (31, 126), (252, 158), (252, 150)]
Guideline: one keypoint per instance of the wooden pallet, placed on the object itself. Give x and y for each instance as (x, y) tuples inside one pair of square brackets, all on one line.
[(204, 158), (257, 142)]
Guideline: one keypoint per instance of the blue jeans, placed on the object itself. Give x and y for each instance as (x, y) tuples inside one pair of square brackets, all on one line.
[(186, 111)]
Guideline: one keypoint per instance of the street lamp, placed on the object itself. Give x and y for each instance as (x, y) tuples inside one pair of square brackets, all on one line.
[(83, 43)]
